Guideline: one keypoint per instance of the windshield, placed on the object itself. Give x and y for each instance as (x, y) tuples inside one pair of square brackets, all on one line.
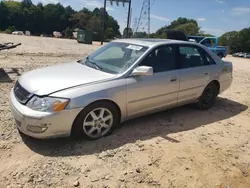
[(114, 57)]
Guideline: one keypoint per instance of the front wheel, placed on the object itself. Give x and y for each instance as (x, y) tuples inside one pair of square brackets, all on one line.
[(208, 97), (96, 120)]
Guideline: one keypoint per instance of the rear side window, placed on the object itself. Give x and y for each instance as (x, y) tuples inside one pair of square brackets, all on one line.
[(190, 56), (208, 59)]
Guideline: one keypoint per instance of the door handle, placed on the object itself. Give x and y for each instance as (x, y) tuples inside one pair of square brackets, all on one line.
[(173, 79), (206, 73)]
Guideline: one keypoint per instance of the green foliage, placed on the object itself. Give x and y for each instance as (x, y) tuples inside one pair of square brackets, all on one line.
[(109, 33), (39, 19), (237, 41), (68, 33), (203, 34), (86, 19), (55, 18), (181, 21), (27, 3), (140, 35), (112, 23), (127, 32), (3, 16), (10, 30), (189, 26)]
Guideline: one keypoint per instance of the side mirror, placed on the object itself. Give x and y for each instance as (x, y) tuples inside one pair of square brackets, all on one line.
[(142, 71)]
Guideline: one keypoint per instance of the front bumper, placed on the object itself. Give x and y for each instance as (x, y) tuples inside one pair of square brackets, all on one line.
[(52, 124)]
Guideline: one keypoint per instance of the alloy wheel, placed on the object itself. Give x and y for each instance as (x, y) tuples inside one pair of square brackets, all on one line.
[(98, 122)]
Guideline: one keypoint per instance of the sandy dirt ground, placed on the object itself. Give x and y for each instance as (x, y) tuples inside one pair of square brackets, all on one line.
[(182, 147)]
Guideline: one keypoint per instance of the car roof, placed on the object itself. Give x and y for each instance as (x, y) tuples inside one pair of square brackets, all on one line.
[(150, 42), (201, 37)]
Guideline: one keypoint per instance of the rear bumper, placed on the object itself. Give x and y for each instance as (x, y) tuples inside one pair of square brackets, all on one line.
[(49, 125)]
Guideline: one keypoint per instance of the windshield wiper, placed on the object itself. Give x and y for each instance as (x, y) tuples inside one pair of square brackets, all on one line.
[(94, 64)]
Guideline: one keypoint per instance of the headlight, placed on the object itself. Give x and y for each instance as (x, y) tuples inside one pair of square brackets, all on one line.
[(47, 104)]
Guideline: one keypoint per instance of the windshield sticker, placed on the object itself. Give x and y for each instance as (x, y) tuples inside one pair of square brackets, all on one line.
[(134, 47)]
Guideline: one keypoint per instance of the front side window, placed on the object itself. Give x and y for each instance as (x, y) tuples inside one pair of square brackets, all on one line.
[(115, 57), (190, 56), (161, 59)]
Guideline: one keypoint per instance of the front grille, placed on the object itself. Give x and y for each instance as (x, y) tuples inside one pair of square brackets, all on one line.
[(21, 94)]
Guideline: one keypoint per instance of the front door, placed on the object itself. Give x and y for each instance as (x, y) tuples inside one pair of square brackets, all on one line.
[(151, 93)]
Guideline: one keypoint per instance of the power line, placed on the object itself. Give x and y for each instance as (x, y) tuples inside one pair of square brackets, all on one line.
[(143, 22)]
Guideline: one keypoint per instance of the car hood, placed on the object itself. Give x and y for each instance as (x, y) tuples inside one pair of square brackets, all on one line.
[(44, 81)]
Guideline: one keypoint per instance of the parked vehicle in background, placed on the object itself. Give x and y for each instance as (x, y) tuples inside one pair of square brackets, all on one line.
[(57, 34), (17, 33), (211, 43), (236, 54), (27, 33), (241, 54), (247, 55), (121, 80)]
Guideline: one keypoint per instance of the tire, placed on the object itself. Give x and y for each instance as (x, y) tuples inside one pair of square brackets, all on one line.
[(89, 127), (208, 97)]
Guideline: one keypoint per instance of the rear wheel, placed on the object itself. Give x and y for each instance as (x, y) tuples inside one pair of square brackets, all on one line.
[(96, 120), (208, 97)]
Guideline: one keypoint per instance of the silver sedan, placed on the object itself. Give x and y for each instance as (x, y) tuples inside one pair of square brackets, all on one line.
[(121, 80)]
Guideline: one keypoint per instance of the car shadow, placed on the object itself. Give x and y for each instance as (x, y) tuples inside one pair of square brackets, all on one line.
[(156, 125)]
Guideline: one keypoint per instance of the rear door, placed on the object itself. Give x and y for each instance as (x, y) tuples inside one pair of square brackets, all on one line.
[(196, 69)]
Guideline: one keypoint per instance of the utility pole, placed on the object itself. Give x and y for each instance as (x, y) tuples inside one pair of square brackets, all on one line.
[(104, 15), (103, 22), (128, 21), (149, 4)]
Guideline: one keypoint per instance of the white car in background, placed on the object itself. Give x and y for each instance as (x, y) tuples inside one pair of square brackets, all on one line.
[(17, 33), (247, 55), (241, 54)]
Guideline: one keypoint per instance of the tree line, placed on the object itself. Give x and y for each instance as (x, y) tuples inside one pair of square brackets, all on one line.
[(237, 41), (188, 26), (45, 19)]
